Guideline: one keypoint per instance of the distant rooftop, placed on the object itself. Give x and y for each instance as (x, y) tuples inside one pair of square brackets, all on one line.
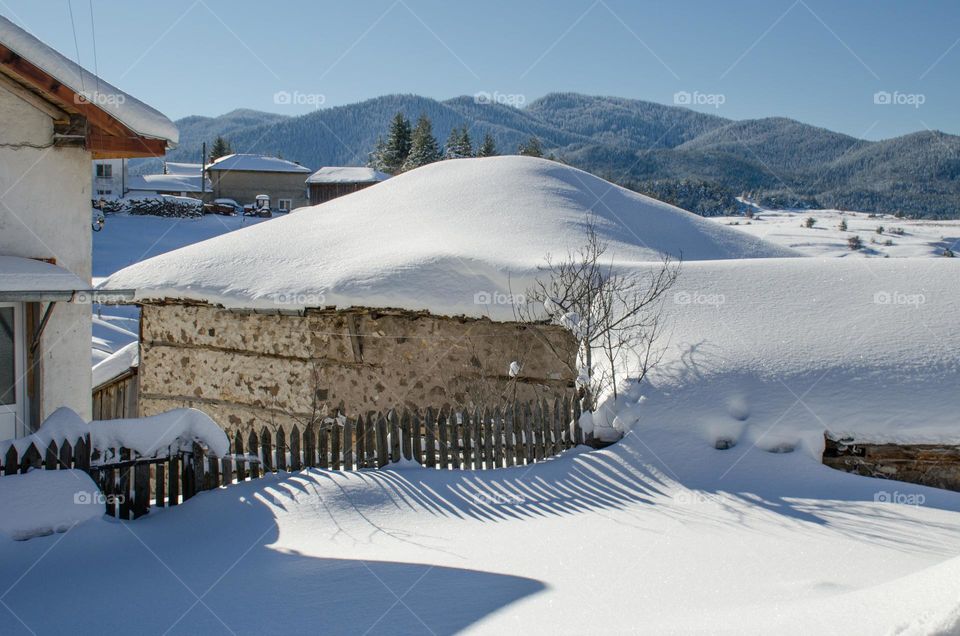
[(168, 183), (347, 174), (256, 163)]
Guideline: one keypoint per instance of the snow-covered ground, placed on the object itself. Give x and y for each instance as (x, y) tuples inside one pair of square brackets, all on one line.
[(660, 534), (899, 238)]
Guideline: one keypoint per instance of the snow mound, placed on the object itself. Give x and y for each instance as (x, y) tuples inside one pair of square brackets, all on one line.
[(771, 354), (454, 237), (42, 502)]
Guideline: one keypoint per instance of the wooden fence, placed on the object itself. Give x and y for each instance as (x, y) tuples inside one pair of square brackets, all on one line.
[(478, 440)]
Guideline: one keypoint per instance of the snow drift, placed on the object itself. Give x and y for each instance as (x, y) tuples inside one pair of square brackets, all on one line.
[(773, 353), (454, 237)]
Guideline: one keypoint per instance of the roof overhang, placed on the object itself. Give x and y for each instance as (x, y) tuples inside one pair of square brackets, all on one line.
[(104, 136), (31, 280)]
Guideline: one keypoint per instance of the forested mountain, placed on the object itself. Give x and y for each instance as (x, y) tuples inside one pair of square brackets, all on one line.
[(699, 161)]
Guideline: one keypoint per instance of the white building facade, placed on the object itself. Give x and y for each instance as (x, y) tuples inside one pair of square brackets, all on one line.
[(49, 134)]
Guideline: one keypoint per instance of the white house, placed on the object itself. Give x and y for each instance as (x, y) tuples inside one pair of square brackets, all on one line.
[(53, 123), (109, 178)]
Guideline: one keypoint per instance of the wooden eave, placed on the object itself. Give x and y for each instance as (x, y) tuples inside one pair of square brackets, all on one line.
[(103, 135)]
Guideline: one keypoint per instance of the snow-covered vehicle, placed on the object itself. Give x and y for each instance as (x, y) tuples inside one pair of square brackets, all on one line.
[(227, 207), (260, 207)]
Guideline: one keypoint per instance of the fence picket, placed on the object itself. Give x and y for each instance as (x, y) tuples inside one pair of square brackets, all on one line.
[(508, 449), (454, 439), (443, 439), (416, 437), (266, 450), (253, 449), (381, 440), (335, 444), (238, 451), (296, 462), (407, 426), (348, 443), (467, 441), (323, 436), (565, 424), (124, 491), (173, 494), (431, 446), (394, 435), (281, 449), (160, 485), (310, 445), (141, 490), (577, 431), (497, 438)]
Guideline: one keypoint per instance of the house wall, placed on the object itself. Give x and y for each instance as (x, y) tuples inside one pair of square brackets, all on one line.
[(116, 183), (323, 192), (45, 213), (244, 186), (245, 368)]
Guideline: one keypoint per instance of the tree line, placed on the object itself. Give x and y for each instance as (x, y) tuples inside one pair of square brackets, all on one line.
[(407, 147)]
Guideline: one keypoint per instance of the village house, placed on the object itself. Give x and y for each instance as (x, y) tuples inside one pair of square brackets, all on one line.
[(51, 130), (242, 177), (178, 179), (331, 182)]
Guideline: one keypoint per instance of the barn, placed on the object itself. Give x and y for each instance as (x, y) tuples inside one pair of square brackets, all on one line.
[(402, 295), (331, 182)]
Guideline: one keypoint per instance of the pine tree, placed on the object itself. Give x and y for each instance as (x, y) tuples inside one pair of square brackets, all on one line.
[(221, 148), (459, 145), (423, 148), (531, 148), (389, 155), (488, 148)]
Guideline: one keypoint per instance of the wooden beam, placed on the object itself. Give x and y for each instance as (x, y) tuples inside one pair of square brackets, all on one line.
[(109, 137), (104, 146)]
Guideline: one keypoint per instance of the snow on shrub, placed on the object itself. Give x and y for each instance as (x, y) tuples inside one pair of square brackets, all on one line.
[(42, 502)]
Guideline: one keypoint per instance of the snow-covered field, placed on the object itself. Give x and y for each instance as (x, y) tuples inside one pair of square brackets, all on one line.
[(661, 533), (899, 237)]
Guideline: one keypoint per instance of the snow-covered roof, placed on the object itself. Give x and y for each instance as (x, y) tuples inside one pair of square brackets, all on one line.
[(256, 163), (182, 169), (128, 110), (347, 174), (116, 364), (445, 238), (27, 278), (167, 183)]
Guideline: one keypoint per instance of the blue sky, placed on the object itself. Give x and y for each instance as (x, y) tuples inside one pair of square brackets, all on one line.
[(817, 61)]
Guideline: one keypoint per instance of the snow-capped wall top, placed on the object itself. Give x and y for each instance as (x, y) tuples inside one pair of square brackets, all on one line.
[(168, 183), (454, 237), (128, 110), (181, 169), (347, 174), (256, 163)]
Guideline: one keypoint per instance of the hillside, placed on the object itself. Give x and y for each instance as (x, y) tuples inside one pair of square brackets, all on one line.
[(698, 161)]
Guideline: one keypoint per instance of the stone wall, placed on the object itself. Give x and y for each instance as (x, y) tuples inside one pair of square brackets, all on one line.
[(248, 368), (926, 464)]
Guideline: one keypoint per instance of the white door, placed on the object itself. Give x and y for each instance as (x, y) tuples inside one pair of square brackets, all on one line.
[(12, 395)]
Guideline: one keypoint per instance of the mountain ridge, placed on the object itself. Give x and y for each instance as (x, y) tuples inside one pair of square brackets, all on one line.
[(699, 161)]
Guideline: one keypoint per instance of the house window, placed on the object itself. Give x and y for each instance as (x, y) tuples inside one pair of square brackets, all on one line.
[(103, 192), (284, 205), (104, 171), (11, 364)]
